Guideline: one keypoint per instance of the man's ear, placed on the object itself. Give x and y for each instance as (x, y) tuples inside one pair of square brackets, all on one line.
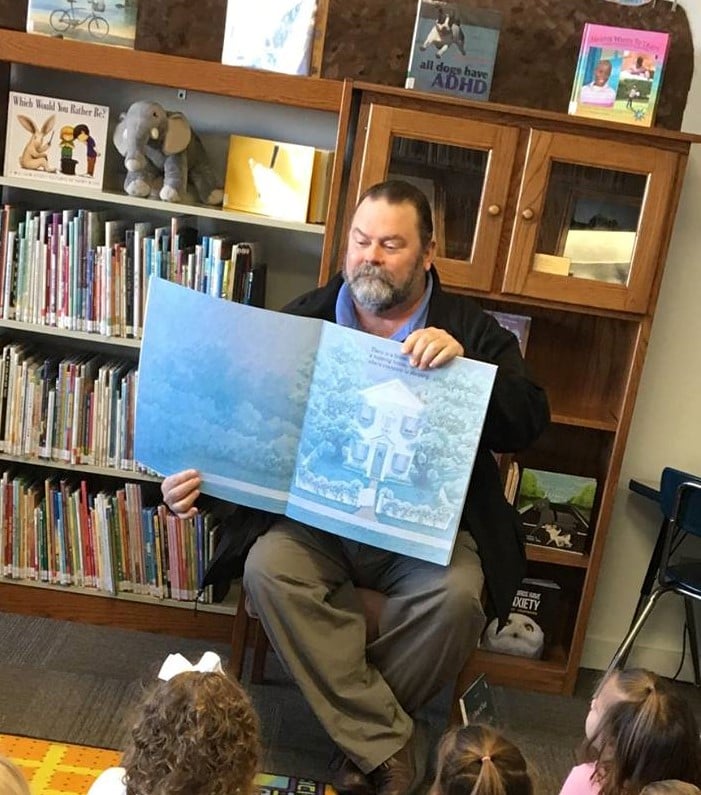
[(429, 255)]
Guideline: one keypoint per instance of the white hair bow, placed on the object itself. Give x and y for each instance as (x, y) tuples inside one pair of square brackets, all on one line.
[(175, 664)]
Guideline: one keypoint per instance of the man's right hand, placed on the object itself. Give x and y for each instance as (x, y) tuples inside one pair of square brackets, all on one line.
[(180, 492)]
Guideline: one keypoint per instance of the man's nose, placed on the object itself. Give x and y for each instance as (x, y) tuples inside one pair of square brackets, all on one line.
[(374, 253)]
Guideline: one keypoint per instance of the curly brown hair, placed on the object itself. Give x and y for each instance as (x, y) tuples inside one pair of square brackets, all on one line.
[(477, 760), (196, 733), (649, 733)]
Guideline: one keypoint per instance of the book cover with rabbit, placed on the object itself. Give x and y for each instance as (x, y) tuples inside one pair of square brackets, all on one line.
[(59, 140)]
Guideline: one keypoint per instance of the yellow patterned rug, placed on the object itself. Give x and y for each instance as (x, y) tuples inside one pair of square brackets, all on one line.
[(62, 769)]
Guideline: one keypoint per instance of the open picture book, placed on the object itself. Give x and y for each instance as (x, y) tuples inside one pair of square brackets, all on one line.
[(325, 424)]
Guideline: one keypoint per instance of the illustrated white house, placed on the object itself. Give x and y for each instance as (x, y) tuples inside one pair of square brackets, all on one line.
[(388, 423)]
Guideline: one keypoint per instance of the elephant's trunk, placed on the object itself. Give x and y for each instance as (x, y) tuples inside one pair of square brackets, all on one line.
[(135, 162)]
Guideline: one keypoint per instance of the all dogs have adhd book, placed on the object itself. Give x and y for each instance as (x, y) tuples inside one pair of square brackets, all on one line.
[(326, 424), (556, 509), (619, 73), (59, 140), (453, 49)]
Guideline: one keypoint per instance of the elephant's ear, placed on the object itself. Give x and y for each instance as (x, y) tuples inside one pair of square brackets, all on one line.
[(119, 138), (178, 134)]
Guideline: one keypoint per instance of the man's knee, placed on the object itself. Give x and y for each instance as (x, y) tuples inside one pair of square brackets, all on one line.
[(462, 600), (263, 564)]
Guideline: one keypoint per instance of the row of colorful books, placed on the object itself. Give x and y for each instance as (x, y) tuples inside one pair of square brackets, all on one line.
[(78, 270), (58, 532), (76, 410)]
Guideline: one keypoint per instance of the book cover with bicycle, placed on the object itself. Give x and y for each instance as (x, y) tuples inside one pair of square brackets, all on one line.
[(98, 21), (54, 139)]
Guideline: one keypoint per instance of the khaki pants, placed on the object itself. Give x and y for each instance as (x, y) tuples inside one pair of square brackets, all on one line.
[(301, 584)]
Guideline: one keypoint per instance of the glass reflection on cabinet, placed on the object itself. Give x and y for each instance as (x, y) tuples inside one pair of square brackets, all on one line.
[(590, 222), (453, 178)]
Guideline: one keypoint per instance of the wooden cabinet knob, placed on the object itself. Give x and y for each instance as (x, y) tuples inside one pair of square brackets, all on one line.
[(494, 209), (527, 214)]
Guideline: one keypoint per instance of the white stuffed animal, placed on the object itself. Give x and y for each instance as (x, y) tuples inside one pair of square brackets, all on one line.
[(521, 635)]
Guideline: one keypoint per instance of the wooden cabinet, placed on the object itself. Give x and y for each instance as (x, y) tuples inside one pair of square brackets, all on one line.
[(568, 222), (218, 101)]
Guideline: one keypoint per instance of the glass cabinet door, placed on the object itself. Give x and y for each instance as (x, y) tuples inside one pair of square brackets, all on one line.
[(589, 222), (464, 167)]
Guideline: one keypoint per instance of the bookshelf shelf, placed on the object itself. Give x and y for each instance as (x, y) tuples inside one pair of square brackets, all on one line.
[(169, 70), (128, 611), (155, 205), (86, 469), (548, 555), (116, 344), (584, 420)]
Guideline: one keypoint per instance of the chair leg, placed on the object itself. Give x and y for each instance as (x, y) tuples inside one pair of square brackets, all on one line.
[(239, 636), (621, 655), (260, 648), (693, 638)]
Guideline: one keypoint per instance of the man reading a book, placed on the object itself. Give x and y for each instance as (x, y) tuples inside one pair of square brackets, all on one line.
[(302, 581)]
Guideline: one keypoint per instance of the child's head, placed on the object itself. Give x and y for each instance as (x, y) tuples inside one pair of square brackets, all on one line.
[(195, 733), (671, 786), (477, 760), (12, 782), (639, 730), (602, 72)]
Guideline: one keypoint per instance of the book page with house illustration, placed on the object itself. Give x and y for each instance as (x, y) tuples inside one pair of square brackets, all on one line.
[(301, 417), (387, 450)]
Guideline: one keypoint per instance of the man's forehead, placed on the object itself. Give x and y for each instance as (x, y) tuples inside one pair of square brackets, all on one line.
[(378, 215)]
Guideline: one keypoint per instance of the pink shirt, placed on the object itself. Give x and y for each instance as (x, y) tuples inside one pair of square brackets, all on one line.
[(579, 781)]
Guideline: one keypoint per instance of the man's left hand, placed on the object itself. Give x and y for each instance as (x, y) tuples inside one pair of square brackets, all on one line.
[(431, 347)]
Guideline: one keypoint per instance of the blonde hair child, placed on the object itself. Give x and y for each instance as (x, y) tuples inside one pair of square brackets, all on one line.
[(638, 731), (12, 782), (670, 787), (477, 760)]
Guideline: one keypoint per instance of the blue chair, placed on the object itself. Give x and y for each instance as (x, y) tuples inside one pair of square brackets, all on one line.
[(680, 501)]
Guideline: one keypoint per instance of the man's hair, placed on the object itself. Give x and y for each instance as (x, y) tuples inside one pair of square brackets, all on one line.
[(397, 191), (648, 734), (477, 760), (196, 734)]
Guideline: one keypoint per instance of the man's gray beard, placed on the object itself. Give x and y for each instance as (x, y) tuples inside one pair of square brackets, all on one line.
[(373, 290)]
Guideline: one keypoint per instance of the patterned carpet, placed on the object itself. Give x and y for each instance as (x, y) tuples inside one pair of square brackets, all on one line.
[(62, 769)]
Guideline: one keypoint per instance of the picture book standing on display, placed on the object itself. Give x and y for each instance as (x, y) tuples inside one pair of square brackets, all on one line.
[(453, 49), (619, 74)]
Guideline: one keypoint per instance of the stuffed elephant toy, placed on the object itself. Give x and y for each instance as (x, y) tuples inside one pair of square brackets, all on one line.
[(162, 154)]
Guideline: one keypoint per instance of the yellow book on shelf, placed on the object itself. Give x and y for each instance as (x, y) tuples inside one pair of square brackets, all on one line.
[(321, 186), (268, 177)]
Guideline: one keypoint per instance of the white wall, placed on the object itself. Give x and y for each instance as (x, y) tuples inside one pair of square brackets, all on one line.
[(666, 431)]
